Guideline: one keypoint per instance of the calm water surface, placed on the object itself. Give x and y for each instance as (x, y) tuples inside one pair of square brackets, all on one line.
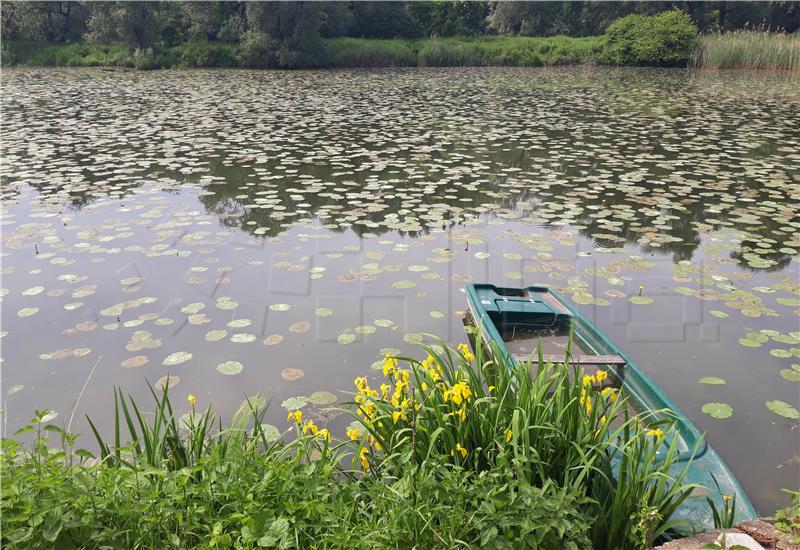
[(222, 227)]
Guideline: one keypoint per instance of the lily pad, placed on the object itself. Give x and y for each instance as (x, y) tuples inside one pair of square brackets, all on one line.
[(791, 375), (271, 433), (216, 335), (323, 312), (230, 368), (292, 374), (713, 380), (404, 284), (719, 314), (135, 361), (295, 403), (346, 338), (176, 358), (280, 307), (273, 339), (322, 398), (718, 410), (783, 409), (640, 300), (169, 382), (300, 327)]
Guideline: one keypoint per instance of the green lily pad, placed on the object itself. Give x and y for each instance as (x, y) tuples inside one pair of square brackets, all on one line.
[(216, 335), (384, 323), (365, 329), (346, 338), (783, 409), (792, 302), (271, 433), (437, 314), (295, 403), (323, 312), (791, 375), (747, 342), (782, 353), (719, 314), (15, 389), (513, 256), (404, 284), (713, 380), (322, 398), (230, 368), (176, 358), (280, 307), (243, 338), (718, 410), (640, 300)]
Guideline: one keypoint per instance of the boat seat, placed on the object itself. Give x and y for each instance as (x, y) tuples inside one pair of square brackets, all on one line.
[(580, 359)]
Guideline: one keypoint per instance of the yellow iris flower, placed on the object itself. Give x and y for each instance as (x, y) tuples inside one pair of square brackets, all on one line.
[(191, 399), (389, 365), (509, 434), (297, 416), (354, 433), (655, 433)]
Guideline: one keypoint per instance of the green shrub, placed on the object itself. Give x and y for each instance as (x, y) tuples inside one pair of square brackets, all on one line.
[(667, 39)]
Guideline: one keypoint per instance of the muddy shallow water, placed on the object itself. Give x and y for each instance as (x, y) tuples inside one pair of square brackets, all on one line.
[(227, 228)]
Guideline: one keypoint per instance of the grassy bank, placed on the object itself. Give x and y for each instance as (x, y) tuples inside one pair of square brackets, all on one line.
[(749, 50), (451, 451), (339, 52), (461, 52)]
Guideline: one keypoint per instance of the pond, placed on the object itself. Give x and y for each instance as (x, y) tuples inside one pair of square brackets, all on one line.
[(279, 232)]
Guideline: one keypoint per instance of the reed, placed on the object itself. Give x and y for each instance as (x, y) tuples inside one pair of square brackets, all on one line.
[(750, 49)]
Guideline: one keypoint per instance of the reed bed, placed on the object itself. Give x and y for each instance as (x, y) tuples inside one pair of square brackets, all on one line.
[(749, 49)]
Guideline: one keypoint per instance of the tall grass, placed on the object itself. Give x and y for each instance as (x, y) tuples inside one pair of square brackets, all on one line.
[(749, 50), (362, 52)]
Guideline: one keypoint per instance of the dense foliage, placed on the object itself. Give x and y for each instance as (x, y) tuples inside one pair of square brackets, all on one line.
[(448, 453), (290, 34), (667, 39)]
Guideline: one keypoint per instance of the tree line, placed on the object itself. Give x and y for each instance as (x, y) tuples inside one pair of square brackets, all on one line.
[(298, 26)]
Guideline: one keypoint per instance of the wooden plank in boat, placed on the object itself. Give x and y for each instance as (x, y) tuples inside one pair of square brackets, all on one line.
[(582, 359)]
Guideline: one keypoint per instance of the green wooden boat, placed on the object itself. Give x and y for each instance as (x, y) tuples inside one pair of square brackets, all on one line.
[(517, 319)]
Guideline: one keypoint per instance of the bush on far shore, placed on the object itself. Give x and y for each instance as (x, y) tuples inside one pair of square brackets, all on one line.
[(667, 39)]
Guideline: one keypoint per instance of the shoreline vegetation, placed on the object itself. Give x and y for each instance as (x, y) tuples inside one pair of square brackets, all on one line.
[(450, 451), (750, 50), (666, 39)]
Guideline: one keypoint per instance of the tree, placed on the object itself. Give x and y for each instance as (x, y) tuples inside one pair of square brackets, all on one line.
[(136, 23), (43, 21), (295, 25)]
